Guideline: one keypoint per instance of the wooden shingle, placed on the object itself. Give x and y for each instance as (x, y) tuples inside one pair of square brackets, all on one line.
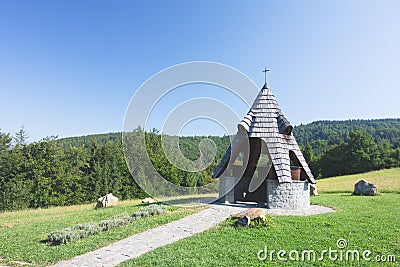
[(265, 120)]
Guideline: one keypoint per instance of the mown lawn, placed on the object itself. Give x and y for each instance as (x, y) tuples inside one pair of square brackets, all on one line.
[(385, 180), (23, 233), (365, 223)]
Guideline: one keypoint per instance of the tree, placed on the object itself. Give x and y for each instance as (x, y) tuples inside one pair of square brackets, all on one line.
[(384, 158), (308, 153), (44, 168), (14, 188), (5, 141), (361, 152), (332, 162), (21, 137), (75, 167)]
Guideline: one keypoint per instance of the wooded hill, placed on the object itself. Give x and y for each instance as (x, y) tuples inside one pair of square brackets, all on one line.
[(330, 147), (80, 169), (322, 134), (319, 134)]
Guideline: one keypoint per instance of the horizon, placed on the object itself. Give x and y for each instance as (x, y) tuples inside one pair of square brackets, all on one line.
[(202, 135), (58, 137)]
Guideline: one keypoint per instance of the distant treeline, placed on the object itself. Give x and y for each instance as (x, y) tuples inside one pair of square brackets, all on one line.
[(346, 147), (43, 173), (78, 170), (71, 171), (322, 134)]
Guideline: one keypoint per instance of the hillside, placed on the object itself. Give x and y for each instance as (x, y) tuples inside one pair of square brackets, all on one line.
[(387, 181), (87, 140), (322, 134), (328, 146), (79, 169)]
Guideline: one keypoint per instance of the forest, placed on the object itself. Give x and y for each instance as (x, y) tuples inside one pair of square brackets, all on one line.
[(75, 170)]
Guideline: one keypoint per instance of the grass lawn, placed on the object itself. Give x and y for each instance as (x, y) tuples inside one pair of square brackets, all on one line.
[(385, 180), (22, 233), (366, 223)]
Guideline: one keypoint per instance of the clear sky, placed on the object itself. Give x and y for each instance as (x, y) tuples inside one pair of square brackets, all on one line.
[(69, 68)]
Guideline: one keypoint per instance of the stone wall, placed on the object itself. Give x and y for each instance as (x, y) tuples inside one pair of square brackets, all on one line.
[(290, 196)]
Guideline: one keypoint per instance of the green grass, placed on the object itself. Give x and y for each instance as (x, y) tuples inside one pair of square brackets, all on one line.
[(23, 233), (366, 223), (371, 223), (385, 180)]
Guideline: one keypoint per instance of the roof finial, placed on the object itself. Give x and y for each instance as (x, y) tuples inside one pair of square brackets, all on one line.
[(265, 73)]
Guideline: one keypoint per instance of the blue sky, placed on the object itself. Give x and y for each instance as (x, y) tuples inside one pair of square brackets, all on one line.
[(71, 67)]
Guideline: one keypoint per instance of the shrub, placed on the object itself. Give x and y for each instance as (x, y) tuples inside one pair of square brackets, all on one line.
[(256, 223), (80, 231), (150, 210)]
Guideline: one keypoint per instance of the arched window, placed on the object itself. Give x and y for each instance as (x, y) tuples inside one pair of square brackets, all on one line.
[(296, 168)]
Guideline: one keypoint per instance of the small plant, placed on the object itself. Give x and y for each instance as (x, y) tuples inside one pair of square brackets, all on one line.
[(262, 221), (64, 236), (150, 210), (80, 231), (231, 221)]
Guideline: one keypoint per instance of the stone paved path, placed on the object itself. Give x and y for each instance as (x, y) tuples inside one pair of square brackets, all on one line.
[(141, 243)]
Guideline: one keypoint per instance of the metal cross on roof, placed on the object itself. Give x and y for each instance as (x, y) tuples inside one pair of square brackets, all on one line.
[(265, 72)]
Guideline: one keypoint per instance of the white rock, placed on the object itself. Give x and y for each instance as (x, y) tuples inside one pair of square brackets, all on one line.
[(148, 200), (107, 201)]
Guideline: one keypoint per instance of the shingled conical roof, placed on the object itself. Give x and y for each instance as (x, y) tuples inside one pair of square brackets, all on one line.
[(266, 121)]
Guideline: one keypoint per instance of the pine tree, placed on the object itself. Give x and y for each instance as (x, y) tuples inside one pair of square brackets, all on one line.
[(21, 137), (308, 153)]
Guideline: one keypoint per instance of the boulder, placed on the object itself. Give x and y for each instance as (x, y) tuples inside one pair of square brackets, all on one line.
[(107, 201), (247, 216), (313, 190), (363, 188), (245, 221), (148, 200)]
